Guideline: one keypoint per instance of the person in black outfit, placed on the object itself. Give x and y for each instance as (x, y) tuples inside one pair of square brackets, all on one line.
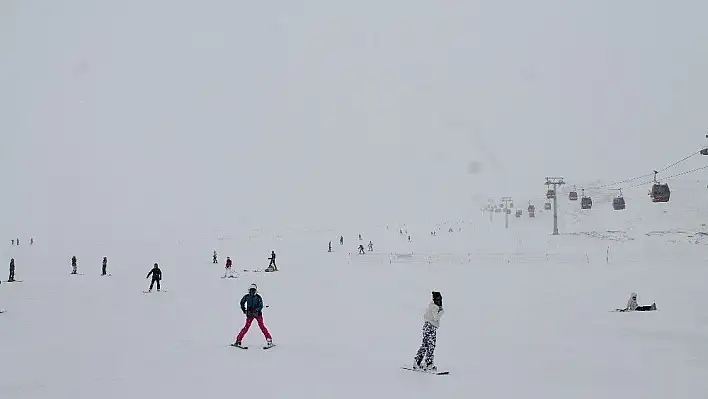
[(272, 266), (104, 266), (73, 264), (156, 276), (12, 271)]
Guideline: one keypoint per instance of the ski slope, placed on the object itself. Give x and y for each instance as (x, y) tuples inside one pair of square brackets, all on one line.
[(527, 314)]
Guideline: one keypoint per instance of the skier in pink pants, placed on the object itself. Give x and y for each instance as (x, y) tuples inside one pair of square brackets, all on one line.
[(252, 307)]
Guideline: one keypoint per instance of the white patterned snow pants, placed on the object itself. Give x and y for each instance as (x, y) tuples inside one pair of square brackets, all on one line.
[(427, 348)]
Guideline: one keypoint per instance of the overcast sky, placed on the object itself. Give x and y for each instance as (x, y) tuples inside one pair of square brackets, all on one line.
[(156, 114)]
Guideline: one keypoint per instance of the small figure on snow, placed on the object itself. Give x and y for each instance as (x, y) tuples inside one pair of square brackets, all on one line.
[(12, 271), (361, 249), (213, 257), (228, 272), (73, 265), (104, 266), (632, 305), (271, 266), (330, 247), (430, 328), (341, 240), (156, 274), (252, 307), (359, 237), (32, 241), (13, 242), (371, 246)]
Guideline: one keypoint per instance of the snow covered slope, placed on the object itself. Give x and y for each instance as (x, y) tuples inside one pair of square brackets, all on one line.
[(518, 323)]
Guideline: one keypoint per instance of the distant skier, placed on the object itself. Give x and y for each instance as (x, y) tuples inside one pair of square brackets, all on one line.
[(252, 307), (430, 328), (330, 247), (73, 265), (104, 266), (361, 249), (12, 271), (214, 258), (18, 241), (13, 242), (228, 272), (156, 274), (371, 246), (633, 306), (272, 266), (359, 237), (32, 241)]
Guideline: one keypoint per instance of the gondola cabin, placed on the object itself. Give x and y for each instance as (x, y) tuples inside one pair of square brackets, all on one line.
[(586, 203), (550, 194), (618, 204), (518, 213), (547, 206), (532, 211), (660, 193), (573, 196)]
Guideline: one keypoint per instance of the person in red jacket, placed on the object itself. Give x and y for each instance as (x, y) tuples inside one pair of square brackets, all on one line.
[(229, 271)]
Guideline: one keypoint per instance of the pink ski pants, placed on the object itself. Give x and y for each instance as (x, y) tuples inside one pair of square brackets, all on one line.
[(245, 328)]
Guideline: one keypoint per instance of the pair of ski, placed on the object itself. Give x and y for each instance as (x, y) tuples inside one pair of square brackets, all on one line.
[(150, 292), (245, 347), (436, 372)]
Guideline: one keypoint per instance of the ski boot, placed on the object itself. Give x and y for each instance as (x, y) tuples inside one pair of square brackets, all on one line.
[(237, 344), (417, 365), (269, 343), (653, 306), (430, 368)]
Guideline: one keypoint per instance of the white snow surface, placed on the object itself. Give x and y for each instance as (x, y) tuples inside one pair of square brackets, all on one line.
[(527, 314)]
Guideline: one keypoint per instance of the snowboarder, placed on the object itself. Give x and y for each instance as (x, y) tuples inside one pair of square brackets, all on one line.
[(371, 246), (361, 249), (12, 271), (632, 305), (73, 265), (213, 257), (156, 277), (330, 247), (271, 266), (228, 272), (104, 266), (430, 327), (252, 307)]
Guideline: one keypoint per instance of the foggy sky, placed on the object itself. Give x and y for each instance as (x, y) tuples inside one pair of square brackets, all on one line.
[(120, 116)]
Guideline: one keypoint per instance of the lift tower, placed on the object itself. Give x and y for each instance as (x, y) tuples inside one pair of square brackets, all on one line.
[(555, 182)]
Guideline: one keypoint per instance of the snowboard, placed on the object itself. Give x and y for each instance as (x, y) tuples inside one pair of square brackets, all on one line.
[(148, 292), (426, 372), (14, 281)]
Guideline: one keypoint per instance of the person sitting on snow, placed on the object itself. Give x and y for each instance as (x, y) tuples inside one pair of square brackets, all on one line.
[(633, 306)]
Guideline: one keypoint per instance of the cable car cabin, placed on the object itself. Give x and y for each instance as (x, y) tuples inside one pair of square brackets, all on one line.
[(532, 214), (573, 196), (586, 203), (618, 203), (660, 193), (518, 213), (547, 206), (507, 211), (550, 194)]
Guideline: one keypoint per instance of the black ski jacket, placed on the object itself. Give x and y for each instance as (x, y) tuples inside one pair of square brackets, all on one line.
[(156, 273)]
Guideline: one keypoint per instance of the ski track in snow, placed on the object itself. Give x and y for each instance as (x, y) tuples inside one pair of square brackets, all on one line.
[(527, 314)]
